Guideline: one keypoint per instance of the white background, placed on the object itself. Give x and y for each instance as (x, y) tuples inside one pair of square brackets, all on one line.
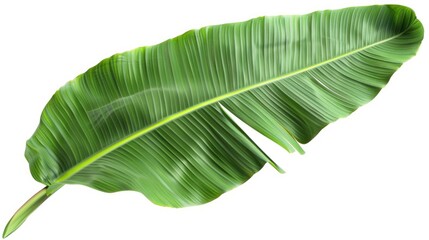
[(363, 177)]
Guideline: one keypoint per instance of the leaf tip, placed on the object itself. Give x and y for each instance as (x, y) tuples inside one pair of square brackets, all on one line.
[(276, 167)]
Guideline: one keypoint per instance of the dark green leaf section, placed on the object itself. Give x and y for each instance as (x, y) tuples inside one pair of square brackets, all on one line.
[(186, 162), (149, 119)]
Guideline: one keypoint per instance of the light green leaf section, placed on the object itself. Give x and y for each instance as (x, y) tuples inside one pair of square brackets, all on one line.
[(149, 119)]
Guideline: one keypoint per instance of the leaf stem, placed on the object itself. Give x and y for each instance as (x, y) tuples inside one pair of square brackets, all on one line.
[(27, 208)]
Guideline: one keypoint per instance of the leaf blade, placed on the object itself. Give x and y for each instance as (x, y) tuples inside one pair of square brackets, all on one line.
[(136, 93)]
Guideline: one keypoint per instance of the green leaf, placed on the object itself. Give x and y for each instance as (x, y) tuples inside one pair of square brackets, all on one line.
[(150, 119)]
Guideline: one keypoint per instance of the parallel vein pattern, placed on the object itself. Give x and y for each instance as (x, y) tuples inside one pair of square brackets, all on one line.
[(149, 120)]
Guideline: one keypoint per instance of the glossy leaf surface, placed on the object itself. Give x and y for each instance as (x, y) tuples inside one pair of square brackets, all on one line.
[(150, 119)]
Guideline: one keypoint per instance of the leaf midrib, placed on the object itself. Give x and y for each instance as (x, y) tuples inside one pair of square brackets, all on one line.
[(81, 165)]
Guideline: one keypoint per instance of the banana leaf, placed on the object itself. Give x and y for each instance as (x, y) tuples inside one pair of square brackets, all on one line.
[(153, 119)]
